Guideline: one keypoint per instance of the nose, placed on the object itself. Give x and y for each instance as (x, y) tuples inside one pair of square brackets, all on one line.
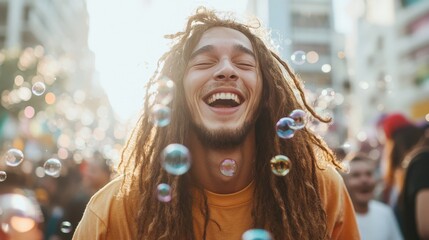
[(226, 71)]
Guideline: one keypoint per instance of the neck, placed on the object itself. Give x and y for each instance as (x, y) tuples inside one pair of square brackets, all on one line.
[(361, 208), (206, 165)]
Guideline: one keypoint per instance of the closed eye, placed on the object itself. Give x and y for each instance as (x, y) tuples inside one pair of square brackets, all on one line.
[(246, 65), (203, 64)]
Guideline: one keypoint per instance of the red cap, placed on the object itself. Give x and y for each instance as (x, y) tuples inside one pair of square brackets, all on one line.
[(393, 122)]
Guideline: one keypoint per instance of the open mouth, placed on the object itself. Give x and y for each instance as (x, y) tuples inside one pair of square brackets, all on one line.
[(366, 189), (223, 100)]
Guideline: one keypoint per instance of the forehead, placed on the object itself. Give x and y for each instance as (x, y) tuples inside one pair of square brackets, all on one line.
[(363, 165), (223, 36)]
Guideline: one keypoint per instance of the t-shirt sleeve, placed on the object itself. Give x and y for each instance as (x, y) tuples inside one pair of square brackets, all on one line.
[(417, 174), (345, 225), (91, 226), (341, 219)]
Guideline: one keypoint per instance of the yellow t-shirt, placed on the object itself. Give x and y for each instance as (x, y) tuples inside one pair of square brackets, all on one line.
[(108, 217)]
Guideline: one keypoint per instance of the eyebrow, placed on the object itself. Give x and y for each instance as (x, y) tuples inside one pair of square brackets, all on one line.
[(209, 48), (244, 49)]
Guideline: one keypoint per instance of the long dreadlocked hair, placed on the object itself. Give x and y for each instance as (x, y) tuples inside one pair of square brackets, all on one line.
[(289, 207)]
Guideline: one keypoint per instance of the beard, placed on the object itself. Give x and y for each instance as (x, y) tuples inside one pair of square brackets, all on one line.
[(221, 139)]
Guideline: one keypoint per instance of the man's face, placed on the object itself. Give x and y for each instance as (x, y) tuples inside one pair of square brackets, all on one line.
[(222, 86), (360, 181)]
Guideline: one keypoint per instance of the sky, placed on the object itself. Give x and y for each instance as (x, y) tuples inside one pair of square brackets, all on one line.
[(127, 40)]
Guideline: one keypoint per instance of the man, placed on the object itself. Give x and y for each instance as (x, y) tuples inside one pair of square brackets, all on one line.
[(375, 219), (230, 92)]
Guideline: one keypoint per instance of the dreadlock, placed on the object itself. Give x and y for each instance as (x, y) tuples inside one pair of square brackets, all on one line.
[(289, 207)]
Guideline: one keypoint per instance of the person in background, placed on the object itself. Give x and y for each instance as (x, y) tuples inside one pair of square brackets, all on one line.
[(96, 173), (376, 220), (89, 177), (401, 135), (414, 199)]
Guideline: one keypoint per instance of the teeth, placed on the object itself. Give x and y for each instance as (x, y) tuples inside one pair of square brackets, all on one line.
[(224, 96)]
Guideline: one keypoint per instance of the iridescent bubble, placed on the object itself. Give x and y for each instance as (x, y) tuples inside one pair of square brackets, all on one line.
[(298, 117), (176, 159), (164, 192), (298, 57), (66, 227), (256, 234), (14, 157), (38, 88), (283, 128), (228, 167), (165, 90), (3, 176), (280, 165), (52, 167), (160, 115), (18, 213)]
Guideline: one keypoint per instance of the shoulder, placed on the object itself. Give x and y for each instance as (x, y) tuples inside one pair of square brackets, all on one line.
[(100, 202), (109, 214), (341, 220), (329, 180), (331, 188)]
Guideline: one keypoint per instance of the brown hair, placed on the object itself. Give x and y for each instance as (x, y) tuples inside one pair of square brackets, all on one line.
[(289, 207), (403, 140)]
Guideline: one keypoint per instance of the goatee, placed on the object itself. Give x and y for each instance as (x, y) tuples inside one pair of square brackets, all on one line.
[(222, 138)]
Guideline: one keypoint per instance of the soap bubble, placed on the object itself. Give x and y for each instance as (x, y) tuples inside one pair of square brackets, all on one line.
[(164, 192), (298, 117), (228, 167), (3, 176), (283, 128), (280, 165), (298, 57), (18, 212), (256, 234), (52, 167), (14, 157), (66, 227), (165, 90), (160, 115), (176, 159), (38, 88)]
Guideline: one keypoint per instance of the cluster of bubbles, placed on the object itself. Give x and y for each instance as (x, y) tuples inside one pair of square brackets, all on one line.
[(14, 157), (325, 101), (49, 120), (175, 158), (160, 112), (299, 57), (285, 128)]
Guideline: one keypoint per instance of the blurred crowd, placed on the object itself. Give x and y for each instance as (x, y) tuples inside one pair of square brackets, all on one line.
[(388, 190), (390, 193), (49, 207)]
